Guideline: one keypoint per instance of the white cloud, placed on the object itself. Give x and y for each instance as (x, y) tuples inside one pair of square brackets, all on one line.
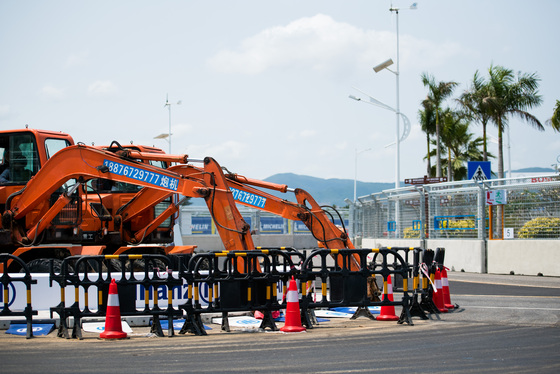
[(228, 150), (4, 111), (53, 93), (102, 88), (181, 129), (77, 59), (321, 44), (307, 133)]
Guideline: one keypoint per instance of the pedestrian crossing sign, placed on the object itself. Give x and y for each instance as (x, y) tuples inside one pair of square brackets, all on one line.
[(479, 170)]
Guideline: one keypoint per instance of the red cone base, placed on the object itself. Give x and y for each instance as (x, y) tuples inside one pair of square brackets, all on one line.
[(387, 312), (446, 293)]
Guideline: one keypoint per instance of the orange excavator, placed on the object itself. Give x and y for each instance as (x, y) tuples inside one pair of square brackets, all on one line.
[(244, 191), (63, 199), (51, 209)]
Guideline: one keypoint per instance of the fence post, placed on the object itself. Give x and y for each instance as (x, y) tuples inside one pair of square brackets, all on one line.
[(481, 211)]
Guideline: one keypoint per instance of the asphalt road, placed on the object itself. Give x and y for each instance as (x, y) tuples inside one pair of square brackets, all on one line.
[(505, 324)]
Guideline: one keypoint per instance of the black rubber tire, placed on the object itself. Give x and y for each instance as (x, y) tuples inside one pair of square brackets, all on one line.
[(140, 264), (42, 265)]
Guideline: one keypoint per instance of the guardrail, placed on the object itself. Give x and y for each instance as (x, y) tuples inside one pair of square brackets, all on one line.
[(237, 281), (85, 272), (6, 281), (348, 279)]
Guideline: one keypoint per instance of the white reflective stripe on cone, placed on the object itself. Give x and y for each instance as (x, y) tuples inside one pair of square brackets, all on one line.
[(113, 300), (445, 282), (292, 297), (438, 284)]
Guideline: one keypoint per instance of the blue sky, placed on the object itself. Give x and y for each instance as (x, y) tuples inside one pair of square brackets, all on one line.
[(264, 85)]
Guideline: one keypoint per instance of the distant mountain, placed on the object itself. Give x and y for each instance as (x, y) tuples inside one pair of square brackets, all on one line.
[(534, 170), (324, 191), (327, 191)]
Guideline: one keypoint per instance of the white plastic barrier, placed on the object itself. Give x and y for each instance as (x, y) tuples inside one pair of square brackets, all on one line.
[(43, 296)]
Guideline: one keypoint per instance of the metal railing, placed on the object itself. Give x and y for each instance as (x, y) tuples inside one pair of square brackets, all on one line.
[(461, 210), (452, 210)]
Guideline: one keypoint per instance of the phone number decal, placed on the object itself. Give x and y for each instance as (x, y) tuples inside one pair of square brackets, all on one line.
[(138, 174), (248, 198)]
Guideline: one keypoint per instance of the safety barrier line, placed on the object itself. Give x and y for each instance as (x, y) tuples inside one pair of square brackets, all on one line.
[(241, 280), (6, 280), (349, 287), (85, 272)]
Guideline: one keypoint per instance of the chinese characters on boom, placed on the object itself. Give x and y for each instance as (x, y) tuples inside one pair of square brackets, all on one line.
[(150, 177)]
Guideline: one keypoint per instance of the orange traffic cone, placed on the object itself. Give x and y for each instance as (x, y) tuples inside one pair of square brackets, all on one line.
[(293, 314), (113, 324), (387, 312), (445, 288), (438, 293)]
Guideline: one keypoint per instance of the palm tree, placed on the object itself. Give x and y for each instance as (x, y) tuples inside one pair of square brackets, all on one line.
[(427, 117), (460, 144), (510, 95), (555, 120), (451, 133), (437, 93), (474, 102)]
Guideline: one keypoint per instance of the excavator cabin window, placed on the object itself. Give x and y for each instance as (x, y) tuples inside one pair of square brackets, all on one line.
[(20, 160)]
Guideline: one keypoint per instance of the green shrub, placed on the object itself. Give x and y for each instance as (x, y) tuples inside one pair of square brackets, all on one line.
[(409, 233), (541, 227)]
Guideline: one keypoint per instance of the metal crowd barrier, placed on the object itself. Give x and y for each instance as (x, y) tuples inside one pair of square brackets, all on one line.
[(348, 285), (237, 281), (95, 272), (6, 280)]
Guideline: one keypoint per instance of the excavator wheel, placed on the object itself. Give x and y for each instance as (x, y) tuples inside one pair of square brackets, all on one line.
[(93, 266), (140, 264), (42, 265)]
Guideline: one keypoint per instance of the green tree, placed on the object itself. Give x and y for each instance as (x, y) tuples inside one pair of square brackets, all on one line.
[(555, 120), (438, 92), (427, 118), (511, 95), (474, 103), (458, 145)]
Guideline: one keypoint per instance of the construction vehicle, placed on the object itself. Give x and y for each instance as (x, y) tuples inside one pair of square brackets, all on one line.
[(58, 203), (64, 199)]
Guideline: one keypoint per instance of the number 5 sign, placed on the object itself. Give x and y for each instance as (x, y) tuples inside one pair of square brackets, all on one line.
[(496, 197)]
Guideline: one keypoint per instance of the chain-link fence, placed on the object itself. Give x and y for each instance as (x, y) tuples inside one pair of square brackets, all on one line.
[(518, 208)]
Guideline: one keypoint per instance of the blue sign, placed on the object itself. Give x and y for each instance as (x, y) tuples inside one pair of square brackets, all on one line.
[(300, 228), (272, 225), (479, 170), (138, 174), (201, 225)]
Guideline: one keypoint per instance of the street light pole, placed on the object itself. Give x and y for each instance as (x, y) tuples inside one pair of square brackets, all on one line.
[(168, 105), (397, 114)]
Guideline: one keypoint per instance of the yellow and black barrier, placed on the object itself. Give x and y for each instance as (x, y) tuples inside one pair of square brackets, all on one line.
[(7, 281), (348, 280), (236, 281), (87, 274)]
